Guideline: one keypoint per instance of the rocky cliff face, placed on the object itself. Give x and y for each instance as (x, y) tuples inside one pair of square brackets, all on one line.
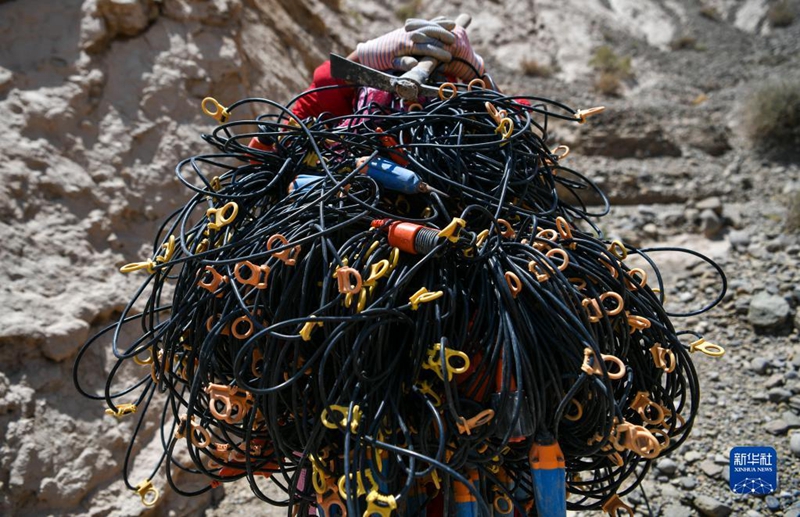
[(101, 98)]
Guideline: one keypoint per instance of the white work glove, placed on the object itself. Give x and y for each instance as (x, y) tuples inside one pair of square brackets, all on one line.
[(438, 38)]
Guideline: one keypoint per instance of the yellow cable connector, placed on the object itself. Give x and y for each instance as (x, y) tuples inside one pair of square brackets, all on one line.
[(423, 296), (220, 112), (122, 410), (308, 328), (451, 231), (220, 217), (345, 412), (381, 504), (710, 349), (148, 493), (582, 115), (434, 361)]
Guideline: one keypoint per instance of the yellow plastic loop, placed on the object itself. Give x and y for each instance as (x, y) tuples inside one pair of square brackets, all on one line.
[(380, 504), (371, 250), (503, 504), (505, 127), (618, 249), (394, 258), (451, 231), (147, 492), (287, 256), (360, 487), (215, 183), (221, 217), (424, 296), (216, 111), (434, 361), (308, 328), (349, 280), (362, 299), (148, 265), (377, 271), (582, 115), (710, 349), (169, 250), (345, 411), (444, 88), (146, 361), (663, 358), (426, 388), (318, 477), (481, 238), (122, 410), (614, 507), (514, 283)]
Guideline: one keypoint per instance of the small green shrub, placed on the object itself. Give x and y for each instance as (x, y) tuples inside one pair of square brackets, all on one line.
[(793, 213), (533, 68), (409, 10), (710, 12), (772, 115), (780, 14), (684, 43), (608, 84), (605, 60), (613, 70)]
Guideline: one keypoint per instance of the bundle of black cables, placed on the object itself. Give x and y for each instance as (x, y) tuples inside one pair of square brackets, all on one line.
[(389, 311)]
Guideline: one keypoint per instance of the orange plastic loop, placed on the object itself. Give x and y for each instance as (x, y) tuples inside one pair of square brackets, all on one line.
[(611, 269), (540, 275), (646, 407), (563, 228), (349, 280), (258, 276), (199, 436), (228, 403), (287, 256), (476, 83), (582, 115), (237, 325), (642, 442), (574, 417), (558, 252), (592, 367), (211, 284), (549, 235), (663, 358), (444, 88), (414, 106), (506, 230), (564, 152), (593, 309), (615, 507), (617, 298), (503, 504), (632, 282), (579, 283), (467, 425), (210, 324), (514, 283), (638, 322)]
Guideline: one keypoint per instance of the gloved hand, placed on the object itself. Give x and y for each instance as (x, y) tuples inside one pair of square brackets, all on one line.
[(438, 38)]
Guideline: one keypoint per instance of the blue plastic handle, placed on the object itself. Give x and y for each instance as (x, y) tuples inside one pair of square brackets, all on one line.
[(550, 492), (303, 181), (392, 176)]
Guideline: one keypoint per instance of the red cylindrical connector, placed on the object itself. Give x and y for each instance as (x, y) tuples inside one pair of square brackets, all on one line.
[(409, 237)]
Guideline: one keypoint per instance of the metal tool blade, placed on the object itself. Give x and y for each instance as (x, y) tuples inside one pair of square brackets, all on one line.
[(352, 72)]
